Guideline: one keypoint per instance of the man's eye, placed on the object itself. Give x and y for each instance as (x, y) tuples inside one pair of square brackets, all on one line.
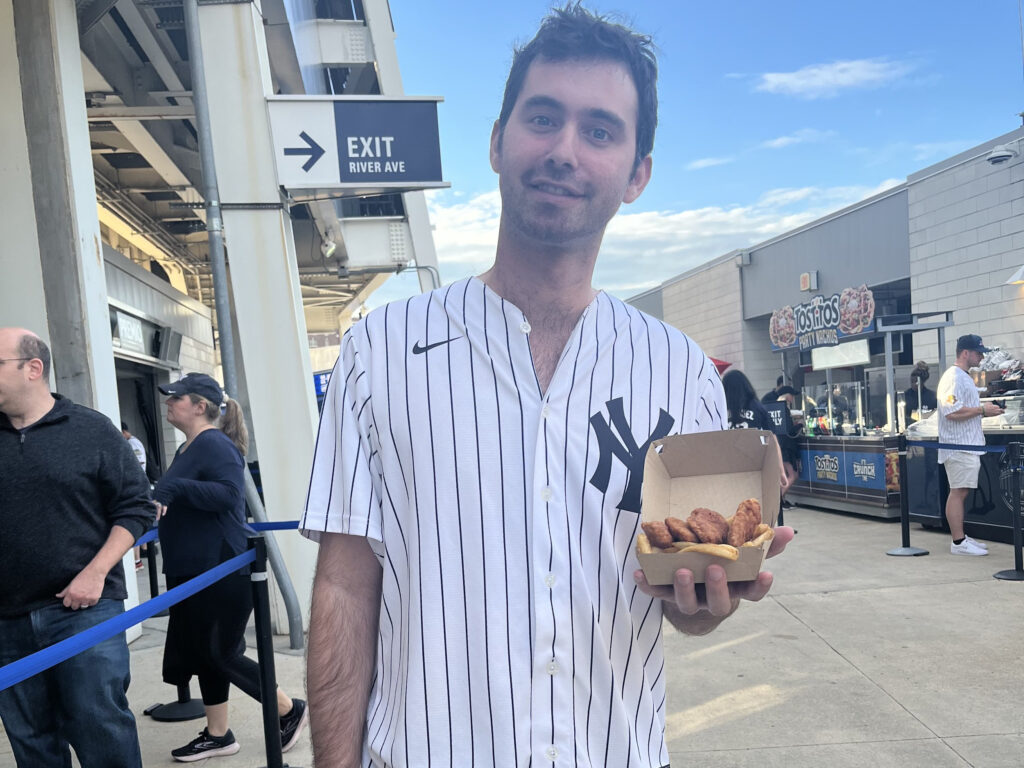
[(601, 134), (542, 120)]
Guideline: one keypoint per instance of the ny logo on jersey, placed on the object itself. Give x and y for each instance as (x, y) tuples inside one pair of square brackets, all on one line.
[(625, 449)]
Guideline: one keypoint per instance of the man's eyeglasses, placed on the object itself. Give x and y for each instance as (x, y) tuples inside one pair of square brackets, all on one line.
[(14, 359)]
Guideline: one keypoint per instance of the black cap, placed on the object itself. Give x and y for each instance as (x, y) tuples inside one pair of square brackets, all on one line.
[(195, 384), (972, 342), (785, 390)]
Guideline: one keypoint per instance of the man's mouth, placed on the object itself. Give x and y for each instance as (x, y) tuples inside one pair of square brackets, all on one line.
[(558, 190)]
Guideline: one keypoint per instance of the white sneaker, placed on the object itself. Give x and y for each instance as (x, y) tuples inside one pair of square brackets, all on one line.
[(975, 542), (967, 547)]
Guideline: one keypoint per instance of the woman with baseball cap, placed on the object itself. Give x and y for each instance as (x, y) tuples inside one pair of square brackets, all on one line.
[(201, 512)]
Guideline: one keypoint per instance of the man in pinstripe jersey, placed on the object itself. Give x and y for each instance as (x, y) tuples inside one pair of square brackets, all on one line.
[(475, 488), (960, 415)]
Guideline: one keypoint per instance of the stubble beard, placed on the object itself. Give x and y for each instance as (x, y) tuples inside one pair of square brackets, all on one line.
[(547, 223)]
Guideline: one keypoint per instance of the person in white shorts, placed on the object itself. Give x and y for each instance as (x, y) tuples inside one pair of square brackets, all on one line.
[(960, 415)]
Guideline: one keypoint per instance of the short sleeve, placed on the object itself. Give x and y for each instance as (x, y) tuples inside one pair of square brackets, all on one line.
[(949, 395), (345, 482)]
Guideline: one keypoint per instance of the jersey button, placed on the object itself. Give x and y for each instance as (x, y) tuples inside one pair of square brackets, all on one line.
[(524, 327), (551, 752), (552, 667), (549, 580), (545, 493), (546, 411)]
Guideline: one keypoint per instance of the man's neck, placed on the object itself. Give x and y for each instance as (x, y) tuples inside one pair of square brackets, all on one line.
[(542, 282), (963, 364), (32, 411)]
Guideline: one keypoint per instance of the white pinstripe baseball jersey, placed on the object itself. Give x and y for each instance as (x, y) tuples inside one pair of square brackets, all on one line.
[(957, 390), (511, 631)]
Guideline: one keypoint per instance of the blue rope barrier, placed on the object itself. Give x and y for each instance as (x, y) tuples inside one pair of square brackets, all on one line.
[(147, 537), (22, 669), (958, 447), (284, 525)]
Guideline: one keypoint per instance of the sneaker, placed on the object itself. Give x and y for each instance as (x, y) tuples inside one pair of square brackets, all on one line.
[(966, 547), (975, 542), (293, 723), (206, 746)]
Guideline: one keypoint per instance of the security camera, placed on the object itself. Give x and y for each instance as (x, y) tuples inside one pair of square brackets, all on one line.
[(1001, 154)]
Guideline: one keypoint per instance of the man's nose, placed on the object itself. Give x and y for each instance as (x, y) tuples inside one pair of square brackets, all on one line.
[(564, 150)]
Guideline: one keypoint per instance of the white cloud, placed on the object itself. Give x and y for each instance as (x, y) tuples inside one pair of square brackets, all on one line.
[(640, 250), (708, 162), (803, 136), (823, 80)]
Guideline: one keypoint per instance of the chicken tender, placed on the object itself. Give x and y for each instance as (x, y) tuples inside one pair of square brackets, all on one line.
[(744, 523), (709, 526), (657, 533), (680, 530)]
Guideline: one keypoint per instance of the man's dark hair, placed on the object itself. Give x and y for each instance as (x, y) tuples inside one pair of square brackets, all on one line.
[(32, 347), (574, 33), (778, 381)]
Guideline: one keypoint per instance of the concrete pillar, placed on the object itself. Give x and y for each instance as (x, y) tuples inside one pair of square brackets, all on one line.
[(263, 272), (69, 251), (22, 300)]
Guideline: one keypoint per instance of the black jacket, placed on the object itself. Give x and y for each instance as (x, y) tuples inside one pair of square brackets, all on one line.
[(65, 481)]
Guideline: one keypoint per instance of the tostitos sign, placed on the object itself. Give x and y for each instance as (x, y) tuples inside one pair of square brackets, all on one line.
[(823, 321)]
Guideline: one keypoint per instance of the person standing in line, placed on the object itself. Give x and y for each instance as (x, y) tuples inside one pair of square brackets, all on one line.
[(73, 501), (140, 455), (476, 481), (201, 509), (773, 395), (960, 415), (918, 377)]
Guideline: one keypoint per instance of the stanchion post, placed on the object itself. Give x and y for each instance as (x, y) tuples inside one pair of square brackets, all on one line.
[(1016, 453), (905, 550), (265, 653)]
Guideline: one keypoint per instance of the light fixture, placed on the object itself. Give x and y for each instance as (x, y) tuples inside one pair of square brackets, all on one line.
[(328, 247), (1017, 278), (1003, 153)]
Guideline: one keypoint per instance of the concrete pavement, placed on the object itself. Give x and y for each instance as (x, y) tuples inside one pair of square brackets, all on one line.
[(854, 659)]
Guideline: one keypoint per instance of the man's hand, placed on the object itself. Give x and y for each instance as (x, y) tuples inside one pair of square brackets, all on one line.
[(699, 608), (161, 509), (84, 590)]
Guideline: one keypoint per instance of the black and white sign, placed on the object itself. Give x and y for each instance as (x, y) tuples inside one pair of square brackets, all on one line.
[(356, 142)]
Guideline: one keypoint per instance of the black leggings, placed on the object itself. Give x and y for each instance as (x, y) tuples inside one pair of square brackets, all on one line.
[(206, 638)]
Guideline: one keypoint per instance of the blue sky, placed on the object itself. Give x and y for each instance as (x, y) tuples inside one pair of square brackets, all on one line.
[(771, 115)]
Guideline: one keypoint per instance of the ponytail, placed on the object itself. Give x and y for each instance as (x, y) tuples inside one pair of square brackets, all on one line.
[(232, 424)]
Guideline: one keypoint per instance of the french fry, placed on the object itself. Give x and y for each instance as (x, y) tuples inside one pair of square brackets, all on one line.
[(761, 528), (643, 544), (724, 551), (757, 541)]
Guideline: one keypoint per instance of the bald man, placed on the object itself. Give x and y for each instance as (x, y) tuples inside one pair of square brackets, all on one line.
[(73, 500)]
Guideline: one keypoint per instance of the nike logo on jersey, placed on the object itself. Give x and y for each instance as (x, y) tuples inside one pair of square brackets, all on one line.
[(419, 350)]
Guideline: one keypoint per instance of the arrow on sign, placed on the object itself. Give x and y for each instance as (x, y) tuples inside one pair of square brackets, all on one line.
[(314, 150)]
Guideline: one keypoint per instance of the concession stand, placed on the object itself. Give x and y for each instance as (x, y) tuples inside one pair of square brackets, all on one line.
[(850, 399)]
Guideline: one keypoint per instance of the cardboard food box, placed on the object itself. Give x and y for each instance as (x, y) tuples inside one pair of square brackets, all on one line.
[(716, 470)]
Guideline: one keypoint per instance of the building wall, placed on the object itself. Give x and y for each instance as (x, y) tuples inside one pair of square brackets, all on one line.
[(966, 228)]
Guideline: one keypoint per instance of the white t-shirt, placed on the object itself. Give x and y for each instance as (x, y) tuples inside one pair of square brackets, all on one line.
[(511, 631), (138, 450), (957, 390)]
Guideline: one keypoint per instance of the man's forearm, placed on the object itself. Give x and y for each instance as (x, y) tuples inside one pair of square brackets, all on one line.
[(117, 544), (342, 650)]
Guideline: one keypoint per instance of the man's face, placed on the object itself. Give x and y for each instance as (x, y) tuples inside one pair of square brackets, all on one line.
[(566, 158), (14, 381)]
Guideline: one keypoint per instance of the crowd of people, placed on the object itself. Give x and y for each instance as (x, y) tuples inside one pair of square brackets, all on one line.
[(67, 468)]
